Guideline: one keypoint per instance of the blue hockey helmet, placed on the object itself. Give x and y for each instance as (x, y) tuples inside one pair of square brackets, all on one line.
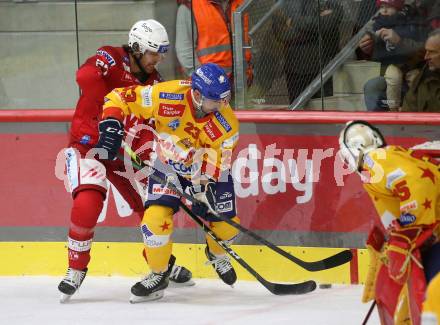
[(212, 82)]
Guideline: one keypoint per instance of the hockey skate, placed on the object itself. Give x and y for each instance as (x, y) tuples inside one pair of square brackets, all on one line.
[(71, 283), (222, 266), (152, 286), (180, 276)]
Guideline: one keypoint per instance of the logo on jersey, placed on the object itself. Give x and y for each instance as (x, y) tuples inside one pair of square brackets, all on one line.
[(409, 206), (126, 76), (223, 121), (406, 219), (107, 57), (185, 142), (393, 176), (174, 124), (229, 143), (171, 96), (158, 189), (170, 110), (85, 139), (179, 168), (146, 93), (212, 131), (223, 207), (225, 195), (185, 83)]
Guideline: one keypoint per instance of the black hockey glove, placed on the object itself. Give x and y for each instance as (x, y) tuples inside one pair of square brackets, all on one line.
[(111, 133), (205, 194)]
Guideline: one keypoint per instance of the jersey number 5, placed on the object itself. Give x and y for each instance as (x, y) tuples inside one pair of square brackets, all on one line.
[(402, 191)]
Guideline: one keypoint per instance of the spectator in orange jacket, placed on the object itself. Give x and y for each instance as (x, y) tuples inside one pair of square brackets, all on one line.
[(209, 40)]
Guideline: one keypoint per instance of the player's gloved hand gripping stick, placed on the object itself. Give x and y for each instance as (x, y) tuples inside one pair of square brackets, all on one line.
[(111, 133)]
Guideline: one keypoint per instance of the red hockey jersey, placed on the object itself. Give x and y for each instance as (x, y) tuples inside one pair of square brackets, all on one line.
[(109, 68)]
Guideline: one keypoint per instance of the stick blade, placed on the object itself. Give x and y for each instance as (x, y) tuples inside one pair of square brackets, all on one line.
[(338, 259), (330, 262), (280, 289)]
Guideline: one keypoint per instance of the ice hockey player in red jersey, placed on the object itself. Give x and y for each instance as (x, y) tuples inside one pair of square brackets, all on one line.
[(111, 67)]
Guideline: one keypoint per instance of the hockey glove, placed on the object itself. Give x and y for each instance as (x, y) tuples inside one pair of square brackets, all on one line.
[(111, 133), (402, 243), (205, 194)]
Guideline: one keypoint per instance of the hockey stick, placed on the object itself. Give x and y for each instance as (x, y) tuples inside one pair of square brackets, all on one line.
[(367, 317), (275, 288), (327, 263)]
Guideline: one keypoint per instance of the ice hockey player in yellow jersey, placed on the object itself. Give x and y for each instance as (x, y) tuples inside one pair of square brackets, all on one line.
[(403, 185), (195, 133)]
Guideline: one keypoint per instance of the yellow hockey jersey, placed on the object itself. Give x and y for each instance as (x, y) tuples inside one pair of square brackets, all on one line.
[(185, 142), (403, 185)]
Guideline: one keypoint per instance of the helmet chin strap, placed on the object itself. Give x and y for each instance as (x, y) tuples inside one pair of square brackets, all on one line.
[(198, 106), (141, 75)]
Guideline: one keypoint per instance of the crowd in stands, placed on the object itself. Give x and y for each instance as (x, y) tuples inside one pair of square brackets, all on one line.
[(396, 40), (403, 38)]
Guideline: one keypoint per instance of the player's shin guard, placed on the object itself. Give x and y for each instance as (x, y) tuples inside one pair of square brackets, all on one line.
[(87, 206), (217, 256), (156, 228), (180, 276), (223, 231)]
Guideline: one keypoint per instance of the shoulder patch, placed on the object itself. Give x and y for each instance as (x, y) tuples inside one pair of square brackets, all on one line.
[(212, 131), (171, 110), (220, 118), (171, 96), (107, 57), (393, 176)]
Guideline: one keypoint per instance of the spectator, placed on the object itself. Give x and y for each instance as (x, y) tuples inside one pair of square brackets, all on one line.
[(209, 40), (430, 9), (304, 22), (424, 95), (367, 9), (395, 39)]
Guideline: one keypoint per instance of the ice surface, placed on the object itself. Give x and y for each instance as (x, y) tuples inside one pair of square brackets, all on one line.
[(104, 300)]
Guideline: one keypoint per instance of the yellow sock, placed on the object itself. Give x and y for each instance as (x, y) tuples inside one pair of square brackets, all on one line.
[(156, 228), (224, 232)]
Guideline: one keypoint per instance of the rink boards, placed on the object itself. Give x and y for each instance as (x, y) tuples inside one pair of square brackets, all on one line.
[(290, 189)]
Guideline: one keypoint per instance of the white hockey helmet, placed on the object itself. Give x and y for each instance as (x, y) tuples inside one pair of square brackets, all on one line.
[(148, 35), (357, 139)]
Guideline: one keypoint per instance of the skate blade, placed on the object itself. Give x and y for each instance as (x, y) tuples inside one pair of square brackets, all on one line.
[(188, 283), (64, 298), (154, 296)]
